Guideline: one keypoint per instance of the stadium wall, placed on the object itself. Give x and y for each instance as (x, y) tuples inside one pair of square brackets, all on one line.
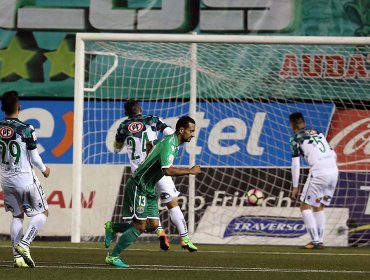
[(100, 193), (37, 59)]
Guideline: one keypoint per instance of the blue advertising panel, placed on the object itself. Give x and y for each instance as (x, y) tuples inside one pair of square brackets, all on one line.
[(267, 226), (253, 134), (228, 133)]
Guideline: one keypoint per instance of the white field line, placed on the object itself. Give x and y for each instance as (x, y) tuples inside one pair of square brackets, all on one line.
[(93, 266), (219, 252)]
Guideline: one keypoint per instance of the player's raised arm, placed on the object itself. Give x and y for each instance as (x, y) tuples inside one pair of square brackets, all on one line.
[(120, 138), (163, 127)]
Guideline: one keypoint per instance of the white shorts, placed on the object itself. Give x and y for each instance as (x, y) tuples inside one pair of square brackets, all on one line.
[(166, 189), (319, 190), (30, 200)]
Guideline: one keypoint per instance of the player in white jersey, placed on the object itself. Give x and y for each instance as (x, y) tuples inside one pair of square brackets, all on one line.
[(135, 133), (322, 179), (23, 193)]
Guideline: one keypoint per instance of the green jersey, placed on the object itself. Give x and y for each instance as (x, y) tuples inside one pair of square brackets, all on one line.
[(162, 156)]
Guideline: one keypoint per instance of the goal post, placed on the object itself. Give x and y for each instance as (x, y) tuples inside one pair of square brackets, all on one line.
[(240, 90)]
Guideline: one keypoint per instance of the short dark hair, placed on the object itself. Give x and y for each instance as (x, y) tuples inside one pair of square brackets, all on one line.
[(132, 108), (183, 122), (10, 102), (296, 118)]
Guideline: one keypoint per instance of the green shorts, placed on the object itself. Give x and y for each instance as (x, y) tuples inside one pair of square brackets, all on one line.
[(137, 204)]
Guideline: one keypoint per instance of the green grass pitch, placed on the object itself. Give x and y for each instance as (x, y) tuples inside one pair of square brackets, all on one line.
[(62, 260)]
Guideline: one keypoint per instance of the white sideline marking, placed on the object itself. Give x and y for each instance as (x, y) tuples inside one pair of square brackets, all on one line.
[(93, 266), (219, 252)]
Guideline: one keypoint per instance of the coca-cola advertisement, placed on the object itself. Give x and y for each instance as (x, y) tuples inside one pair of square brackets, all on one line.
[(349, 135)]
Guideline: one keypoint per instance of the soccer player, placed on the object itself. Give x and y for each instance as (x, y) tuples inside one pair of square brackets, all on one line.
[(23, 193), (322, 179), (136, 132), (140, 198)]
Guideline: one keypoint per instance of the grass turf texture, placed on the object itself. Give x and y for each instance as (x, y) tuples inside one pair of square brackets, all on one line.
[(62, 260)]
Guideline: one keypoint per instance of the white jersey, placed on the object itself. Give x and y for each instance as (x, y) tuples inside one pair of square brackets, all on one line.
[(136, 132), (315, 149), (16, 140)]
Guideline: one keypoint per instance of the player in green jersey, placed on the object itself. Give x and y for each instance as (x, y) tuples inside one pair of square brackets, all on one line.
[(140, 198), (136, 133)]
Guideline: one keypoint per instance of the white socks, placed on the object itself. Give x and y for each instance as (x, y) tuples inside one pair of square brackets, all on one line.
[(16, 232), (36, 223), (320, 224), (159, 228), (310, 224), (177, 217)]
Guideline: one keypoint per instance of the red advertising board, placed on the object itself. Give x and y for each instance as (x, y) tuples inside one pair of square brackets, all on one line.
[(349, 135)]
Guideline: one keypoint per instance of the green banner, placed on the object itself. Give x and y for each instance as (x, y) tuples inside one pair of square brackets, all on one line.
[(37, 37)]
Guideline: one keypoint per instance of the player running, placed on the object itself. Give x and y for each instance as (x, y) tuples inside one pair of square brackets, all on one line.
[(322, 178), (135, 132), (140, 197), (22, 190)]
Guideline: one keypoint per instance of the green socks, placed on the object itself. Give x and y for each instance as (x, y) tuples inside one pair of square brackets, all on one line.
[(126, 239), (121, 227)]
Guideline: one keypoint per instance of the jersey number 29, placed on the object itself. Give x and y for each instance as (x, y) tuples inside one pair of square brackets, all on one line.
[(14, 151)]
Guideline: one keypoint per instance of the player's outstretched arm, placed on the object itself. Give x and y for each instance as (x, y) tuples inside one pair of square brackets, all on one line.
[(179, 171)]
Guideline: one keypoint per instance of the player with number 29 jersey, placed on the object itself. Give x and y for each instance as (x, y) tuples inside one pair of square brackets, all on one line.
[(16, 140), (22, 191)]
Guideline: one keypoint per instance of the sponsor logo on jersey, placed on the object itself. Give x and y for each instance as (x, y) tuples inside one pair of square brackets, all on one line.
[(349, 136), (135, 127), (140, 210), (6, 132), (266, 226), (311, 131), (165, 195)]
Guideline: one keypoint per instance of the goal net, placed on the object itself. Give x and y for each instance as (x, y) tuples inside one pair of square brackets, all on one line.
[(240, 90)]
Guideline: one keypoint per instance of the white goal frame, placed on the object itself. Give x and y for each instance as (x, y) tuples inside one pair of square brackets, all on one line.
[(163, 38)]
